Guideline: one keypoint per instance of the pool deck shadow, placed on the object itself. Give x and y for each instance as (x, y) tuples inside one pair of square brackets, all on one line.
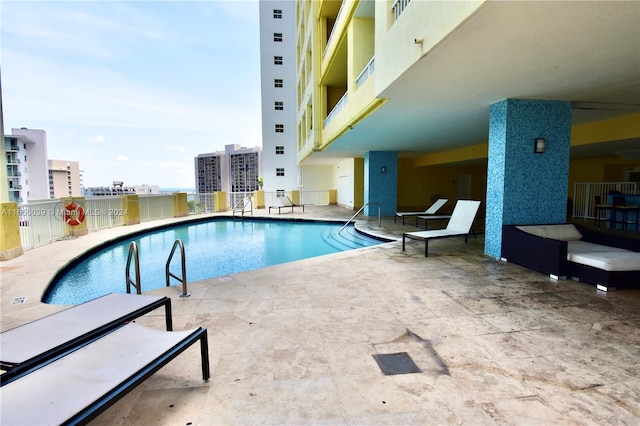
[(494, 343)]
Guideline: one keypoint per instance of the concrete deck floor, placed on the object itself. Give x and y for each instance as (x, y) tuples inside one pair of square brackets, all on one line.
[(294, 344)]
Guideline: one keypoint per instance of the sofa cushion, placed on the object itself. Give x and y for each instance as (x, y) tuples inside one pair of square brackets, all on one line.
[(586, 247), (562, 232), (609, 261)]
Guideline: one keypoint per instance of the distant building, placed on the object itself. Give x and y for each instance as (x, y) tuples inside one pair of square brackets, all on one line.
[(26, 162), (147, 189), (117, 189), (278, 95), (236, 169), (65, 179)]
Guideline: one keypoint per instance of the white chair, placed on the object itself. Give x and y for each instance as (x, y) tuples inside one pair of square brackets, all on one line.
[(459, 225), (430, 211)]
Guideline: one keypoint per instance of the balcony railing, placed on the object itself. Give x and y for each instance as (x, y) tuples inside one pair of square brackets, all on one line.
[(366, 72), (336, 109), (333, 30), (398, 7), (11, 147)]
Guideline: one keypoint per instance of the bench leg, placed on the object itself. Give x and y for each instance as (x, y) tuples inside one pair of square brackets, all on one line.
[(426, 248), (403, 239), (204, 353), (167, 314)]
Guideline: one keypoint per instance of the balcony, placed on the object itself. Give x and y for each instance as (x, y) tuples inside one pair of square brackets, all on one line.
[(336, 109), (366, 72), (11, 147)]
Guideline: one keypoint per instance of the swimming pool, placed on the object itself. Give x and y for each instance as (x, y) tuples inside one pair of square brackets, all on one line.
[(212, 248)]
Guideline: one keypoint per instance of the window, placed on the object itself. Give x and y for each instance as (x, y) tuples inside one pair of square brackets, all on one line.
[(277, 37), (279, 150), (277, 60), (277, 13), (279, 105), (280, 171), (279, 128), (277, 82)]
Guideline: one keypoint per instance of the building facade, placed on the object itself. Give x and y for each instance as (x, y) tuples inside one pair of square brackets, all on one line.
[(26, 164), (65, 179), (278, 95), (236, 169), (399, 102)]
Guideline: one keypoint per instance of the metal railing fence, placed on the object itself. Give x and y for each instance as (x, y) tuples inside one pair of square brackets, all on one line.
[(41, 222), (584, 194)]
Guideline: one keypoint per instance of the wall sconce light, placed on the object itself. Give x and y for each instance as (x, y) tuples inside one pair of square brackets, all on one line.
[(417, 40), (383, 169), (539, 145)]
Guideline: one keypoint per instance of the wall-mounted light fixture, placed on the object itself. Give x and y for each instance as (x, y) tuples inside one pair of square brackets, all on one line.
[(539, 145), (417, 40), (383, 169)]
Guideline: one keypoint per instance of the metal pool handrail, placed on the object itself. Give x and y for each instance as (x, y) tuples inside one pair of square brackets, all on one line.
[(358, 212), (133, 253), (169, 274)]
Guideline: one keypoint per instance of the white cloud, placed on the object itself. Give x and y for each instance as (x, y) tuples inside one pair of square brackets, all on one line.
[(95, 139), (178, 148), (122, 157)]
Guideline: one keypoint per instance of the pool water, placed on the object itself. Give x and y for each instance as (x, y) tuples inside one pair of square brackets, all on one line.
[(212, 248)]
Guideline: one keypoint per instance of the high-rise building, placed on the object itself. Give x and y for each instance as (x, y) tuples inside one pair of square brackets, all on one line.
[(65, 179), (27, 167), (278, 88), (236, 169)]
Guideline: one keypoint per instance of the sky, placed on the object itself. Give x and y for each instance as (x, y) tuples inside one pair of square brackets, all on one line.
[(133, 90)]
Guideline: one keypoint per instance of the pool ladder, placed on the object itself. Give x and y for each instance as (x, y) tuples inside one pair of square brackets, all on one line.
[(241, 206), (133, 255), (183, 264)]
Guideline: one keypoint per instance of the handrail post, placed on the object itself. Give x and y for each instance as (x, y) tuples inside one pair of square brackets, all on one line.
[(358, 212), (169, 274), (133, 253)]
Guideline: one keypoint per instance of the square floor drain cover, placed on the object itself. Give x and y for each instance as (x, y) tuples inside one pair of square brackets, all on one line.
[(400, 363)]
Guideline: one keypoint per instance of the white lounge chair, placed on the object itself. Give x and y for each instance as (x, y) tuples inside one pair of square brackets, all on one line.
[(430, 211), (286, 204), (79, 386), (459, 225), (25, 347)]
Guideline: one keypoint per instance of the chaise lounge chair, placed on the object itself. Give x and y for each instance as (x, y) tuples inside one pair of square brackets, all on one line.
[(286, 203), (459, 225), (428, 212), (25, 347), (77, 387)]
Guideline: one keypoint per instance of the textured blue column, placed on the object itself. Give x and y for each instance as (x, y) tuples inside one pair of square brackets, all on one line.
[(524, 187), (381, 182)]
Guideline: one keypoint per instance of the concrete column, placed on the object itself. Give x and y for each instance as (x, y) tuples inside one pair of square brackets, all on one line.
[(130, 210), (524, 187), (180, 204), (10, 243), (219, 201), (295, 196), (381, 182), (258, 199), (333, 197)]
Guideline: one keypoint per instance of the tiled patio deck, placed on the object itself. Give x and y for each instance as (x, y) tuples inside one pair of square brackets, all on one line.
[(294, 344)]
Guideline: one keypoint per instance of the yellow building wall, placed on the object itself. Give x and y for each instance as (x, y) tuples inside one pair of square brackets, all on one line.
[(419, 186)]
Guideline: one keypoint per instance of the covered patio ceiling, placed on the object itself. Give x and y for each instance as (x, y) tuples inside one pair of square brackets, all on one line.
[(584, 52)]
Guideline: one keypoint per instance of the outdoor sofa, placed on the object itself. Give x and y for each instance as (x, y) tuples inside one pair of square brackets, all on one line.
[(566, 250)]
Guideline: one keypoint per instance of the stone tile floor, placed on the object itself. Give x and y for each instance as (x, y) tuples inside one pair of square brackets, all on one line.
[(295, 343)]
